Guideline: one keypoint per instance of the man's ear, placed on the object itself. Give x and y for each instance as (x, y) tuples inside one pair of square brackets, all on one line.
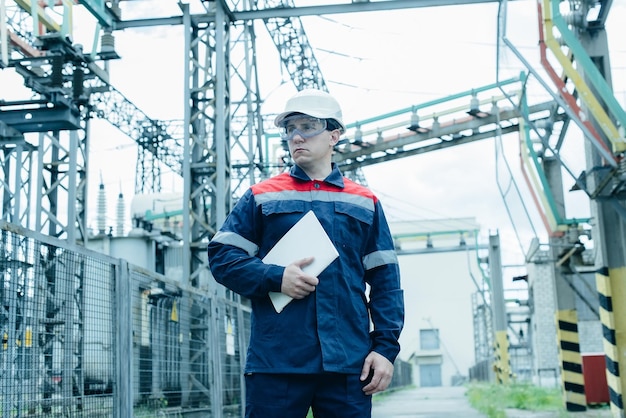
[(335, 136)]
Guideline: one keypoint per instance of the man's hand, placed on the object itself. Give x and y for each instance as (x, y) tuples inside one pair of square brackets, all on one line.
[(297, 283), (381, 370)]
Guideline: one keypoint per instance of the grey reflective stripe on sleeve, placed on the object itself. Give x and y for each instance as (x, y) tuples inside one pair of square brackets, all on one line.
[(236, 240), (379, 258)]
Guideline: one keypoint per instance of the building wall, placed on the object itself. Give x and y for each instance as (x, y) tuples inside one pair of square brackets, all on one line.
[(544, 341), (437, 293), (589, 325), (591, 338)]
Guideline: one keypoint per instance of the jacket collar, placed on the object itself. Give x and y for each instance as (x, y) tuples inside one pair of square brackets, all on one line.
[(335, 177)]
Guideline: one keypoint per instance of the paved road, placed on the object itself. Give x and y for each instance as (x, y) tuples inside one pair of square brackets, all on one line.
[(439, 402)]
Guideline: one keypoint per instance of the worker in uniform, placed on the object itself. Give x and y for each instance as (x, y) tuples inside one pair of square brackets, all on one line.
[(335, 343)]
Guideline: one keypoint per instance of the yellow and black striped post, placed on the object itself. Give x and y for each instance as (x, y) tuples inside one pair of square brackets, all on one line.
[(571, 360), (604, 283), (502, 366)]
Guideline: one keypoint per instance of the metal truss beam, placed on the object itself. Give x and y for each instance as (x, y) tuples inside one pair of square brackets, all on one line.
[(355, 7), (160, 142), (287, 9), (369, 153), (294, 49)]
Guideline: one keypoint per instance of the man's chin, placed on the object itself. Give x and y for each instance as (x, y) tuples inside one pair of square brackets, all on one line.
[(300, 157)]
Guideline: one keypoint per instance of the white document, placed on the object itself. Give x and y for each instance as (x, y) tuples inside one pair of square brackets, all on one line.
[(306, 238)]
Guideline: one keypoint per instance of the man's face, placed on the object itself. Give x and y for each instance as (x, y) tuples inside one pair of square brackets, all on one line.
[(309, 141)]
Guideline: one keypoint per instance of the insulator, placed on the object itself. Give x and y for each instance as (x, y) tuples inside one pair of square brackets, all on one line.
[(575, 19), (56, 76), (107, 43), (573, 234), (474, 103), (121, 211), (77, 82), (102, 209), (436, 124), (622, 165), (358, 134), (415, 121)]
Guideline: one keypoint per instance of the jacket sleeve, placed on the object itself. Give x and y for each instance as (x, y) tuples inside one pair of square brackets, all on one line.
[(386, 296), (233, 253)]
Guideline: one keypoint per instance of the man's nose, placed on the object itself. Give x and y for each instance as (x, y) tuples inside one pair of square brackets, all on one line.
[(297, 136)]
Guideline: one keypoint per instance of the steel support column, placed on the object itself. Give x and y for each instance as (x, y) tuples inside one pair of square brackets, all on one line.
[(502, 363), (566, 318), (610, 230)]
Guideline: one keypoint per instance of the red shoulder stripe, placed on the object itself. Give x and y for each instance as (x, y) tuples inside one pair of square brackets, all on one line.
[(284, 181)]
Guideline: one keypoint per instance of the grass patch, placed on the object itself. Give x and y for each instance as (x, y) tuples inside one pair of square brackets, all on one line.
[(492, 399)]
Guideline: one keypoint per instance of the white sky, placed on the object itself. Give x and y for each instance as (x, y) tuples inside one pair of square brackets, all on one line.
[(374, 63)]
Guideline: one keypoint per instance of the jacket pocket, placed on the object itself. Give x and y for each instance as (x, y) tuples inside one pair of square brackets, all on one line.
[(352, 224), (281, 207)]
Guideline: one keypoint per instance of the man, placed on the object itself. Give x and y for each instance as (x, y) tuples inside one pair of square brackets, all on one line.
[(320, 352)]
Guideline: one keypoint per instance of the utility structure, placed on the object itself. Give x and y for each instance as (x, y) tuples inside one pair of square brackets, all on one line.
[(574, 55), (72, 87), (217, 147)]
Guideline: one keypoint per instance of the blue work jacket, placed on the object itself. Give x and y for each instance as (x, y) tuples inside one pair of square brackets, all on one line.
[(358, 304)]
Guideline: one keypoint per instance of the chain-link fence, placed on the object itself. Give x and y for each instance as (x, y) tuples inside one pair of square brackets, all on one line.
[(87, 335)]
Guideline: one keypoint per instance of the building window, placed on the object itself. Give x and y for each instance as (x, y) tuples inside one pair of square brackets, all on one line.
[(429, 339)]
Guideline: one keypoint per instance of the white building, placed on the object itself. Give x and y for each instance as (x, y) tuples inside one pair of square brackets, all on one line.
[(440, 271)]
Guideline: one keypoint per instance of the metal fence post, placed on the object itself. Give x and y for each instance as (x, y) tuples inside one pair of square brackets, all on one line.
[(123, 391), (216, 323)]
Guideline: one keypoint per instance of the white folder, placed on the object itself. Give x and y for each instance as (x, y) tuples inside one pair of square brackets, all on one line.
[(306, 238)]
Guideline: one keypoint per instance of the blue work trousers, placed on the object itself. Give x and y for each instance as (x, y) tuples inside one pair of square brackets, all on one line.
[(329, 395)]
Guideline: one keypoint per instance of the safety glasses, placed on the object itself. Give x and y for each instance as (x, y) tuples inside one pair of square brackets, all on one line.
[(304, 126)]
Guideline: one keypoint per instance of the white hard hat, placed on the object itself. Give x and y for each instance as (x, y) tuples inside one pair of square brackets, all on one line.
[(312, 102)]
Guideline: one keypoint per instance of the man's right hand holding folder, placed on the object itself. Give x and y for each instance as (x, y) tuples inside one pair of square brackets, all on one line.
[(296, 283)]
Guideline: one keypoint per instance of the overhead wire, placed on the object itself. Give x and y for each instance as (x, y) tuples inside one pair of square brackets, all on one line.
[(512, 185), (442, 216), (498, 145), (350, 56)]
